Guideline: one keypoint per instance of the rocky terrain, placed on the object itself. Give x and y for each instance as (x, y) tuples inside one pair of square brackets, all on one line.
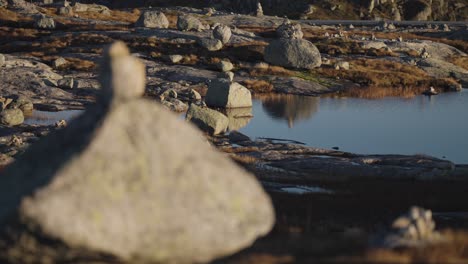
[(209, 62)]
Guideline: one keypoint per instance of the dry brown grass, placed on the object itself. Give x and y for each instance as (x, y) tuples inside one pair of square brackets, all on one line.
[(243, 159), (72, 63), (8, 15), (18, 33), (115, 15), (460, 61), (271, 70), (454, 250), (231, 149), (80, 64), (382, 78), (258, 86), (339, 46)]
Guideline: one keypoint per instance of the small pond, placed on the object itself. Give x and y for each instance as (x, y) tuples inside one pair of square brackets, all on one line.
[(45, 118), (436, 125)]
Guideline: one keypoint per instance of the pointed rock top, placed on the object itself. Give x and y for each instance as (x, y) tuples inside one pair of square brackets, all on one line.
[(122, 75)]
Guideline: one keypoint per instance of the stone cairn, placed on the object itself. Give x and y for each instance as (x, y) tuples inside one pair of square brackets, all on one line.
[(127, 181), (414, 229), (259, 11)]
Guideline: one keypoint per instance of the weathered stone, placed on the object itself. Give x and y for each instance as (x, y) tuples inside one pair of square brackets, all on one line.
[(65, 11), (59, 62), (126, 179), (416, 10), (259, 11), (223, 93), (2, 59), (93, 8), (188, 23), (66, 83), (210, 44), (23, 103), (175, 105), (207, 120), (373, 45), (414, 229), (225, 66), (152, 19), (44, 22), (170, 93), (289, 31), (342, 65), (223, 33), (194, 95), (175, 58), (23, 6), (293, 53), (11, 117)]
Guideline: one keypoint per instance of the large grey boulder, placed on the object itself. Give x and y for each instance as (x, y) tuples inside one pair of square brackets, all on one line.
[(207, 120), (293, 53), (227, 94), (44, 22), (11, 117), (152, 19), (129, 181), (189, 23), (223, 33)]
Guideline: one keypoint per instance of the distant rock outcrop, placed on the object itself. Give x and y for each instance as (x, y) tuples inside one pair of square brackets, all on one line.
[(127, 181)]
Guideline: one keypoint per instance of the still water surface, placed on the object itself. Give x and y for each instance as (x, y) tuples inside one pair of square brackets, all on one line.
[(436, 126)]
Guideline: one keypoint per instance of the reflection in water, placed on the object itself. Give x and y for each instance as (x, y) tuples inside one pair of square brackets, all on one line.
[(238, 117), (419, 125), (290, 107)]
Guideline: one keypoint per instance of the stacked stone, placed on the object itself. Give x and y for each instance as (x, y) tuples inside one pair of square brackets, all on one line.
[(414, 229)]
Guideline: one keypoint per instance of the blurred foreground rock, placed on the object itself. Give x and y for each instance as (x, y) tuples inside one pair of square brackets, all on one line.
[(127, 181)]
